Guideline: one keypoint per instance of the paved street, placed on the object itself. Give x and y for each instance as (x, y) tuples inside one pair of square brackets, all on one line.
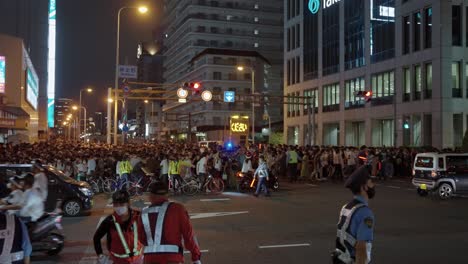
[(297, 225)]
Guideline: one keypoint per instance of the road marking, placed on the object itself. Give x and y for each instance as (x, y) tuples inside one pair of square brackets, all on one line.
[(215, 200), (393, 187), (202, 251), (217, 214), (410, 189), (285, 246), (313, 185)]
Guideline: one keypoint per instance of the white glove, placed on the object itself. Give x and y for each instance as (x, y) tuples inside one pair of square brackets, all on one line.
[(103, 259), (197, 262)]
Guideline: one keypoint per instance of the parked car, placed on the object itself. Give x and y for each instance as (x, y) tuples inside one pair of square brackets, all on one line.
[(444, 173), (76, 196)]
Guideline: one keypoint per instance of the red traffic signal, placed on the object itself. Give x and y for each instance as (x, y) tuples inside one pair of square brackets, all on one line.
[(196, 85)]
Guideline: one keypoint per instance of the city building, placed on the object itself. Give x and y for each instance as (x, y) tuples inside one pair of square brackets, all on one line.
[(411, 54), (204, 42), (19, 91), (150, 70), (28, 20), (63, 107)]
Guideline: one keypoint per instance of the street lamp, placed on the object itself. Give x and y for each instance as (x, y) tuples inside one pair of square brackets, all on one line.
[(141, 10), (242, 68), (79, 116), (88, 90)]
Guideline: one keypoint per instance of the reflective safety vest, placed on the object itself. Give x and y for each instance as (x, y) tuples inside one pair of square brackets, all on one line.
[(125, 167), (128, 253), (154, 243), (174, 167), (345, 242), (8, 236), (292, 157)]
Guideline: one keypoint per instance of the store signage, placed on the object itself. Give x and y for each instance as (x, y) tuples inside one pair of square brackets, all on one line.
[(32, 88), (239, 127), (314, 5)]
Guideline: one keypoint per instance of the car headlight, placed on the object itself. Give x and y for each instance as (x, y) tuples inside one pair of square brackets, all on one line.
[(86, 191)]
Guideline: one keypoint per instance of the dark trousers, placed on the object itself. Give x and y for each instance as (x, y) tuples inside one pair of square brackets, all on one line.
[(292, 172), (164, 179), (337, 175)]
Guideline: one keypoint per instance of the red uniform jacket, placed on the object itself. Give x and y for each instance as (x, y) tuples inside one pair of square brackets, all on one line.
[(176, 226)]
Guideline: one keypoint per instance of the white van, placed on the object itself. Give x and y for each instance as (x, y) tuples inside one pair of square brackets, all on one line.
[(444, 173)]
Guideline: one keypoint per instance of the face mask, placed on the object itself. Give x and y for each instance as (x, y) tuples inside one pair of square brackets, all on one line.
[(370, 192), (121, 210)]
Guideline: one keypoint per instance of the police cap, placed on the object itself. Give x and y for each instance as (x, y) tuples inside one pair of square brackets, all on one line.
[(358, 178)]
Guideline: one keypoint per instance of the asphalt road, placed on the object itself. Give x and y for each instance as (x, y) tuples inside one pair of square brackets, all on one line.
[(298, 225)]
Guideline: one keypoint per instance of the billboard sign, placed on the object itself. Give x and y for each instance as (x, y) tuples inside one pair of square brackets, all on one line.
[(128, 72), (51, 62), (32, 88), (2, 74)]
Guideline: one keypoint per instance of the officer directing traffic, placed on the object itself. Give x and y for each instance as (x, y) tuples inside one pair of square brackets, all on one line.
[(356, 222), (121, 231), (162, 227)]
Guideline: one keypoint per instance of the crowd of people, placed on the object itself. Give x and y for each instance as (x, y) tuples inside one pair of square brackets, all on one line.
[(310, 163)]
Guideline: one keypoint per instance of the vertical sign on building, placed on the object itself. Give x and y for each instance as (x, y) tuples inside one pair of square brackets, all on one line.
[(51, 63), (2, 74)]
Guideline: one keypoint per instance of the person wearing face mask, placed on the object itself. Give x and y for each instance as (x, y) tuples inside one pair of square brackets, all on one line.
[(121, 231), (16, 197), (356, 223)]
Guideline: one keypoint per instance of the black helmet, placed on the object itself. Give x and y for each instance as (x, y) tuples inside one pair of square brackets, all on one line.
[(120, 197)]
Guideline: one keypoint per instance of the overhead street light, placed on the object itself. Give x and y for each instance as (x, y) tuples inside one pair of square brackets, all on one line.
[(142, 10)]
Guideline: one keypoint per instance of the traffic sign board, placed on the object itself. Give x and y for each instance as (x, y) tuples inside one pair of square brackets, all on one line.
[(126, 89), (229, 96)]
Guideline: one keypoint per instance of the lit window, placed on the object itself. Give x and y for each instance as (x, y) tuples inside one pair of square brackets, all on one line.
[(256, 32), (256, 6), (256, 45), (256, 19)]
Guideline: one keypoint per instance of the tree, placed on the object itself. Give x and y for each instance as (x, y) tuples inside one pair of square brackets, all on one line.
[(465, 142)]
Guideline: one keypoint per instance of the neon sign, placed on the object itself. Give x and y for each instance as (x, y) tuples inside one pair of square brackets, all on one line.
[(314, 5), (239, 127), (51, 62)]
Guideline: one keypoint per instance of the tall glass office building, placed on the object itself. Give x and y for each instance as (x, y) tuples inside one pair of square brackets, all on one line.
[(412, 55)]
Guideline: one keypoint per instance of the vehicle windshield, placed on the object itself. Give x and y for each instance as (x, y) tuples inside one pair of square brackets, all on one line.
[(60, 174), (425, 162)]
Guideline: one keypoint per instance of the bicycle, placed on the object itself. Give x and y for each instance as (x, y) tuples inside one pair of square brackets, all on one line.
[(111, 185), (214, 185)]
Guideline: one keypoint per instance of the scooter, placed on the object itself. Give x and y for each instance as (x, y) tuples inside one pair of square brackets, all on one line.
[(46, 234)]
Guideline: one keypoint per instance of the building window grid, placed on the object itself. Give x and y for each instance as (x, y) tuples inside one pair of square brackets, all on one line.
[(331, 97), (406, 34), (417, 82), (330, 40), (312, 101), (351, 88), (311, 51), (417, 23), (354, 34), (406, 84), (428, 28), (382, 33), (383, 84), (456, 25), (298, 69), (428, 81), (456, 89)]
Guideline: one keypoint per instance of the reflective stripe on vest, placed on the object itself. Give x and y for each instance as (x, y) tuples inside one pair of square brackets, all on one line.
[(174, 167), (127, 254), (154, 244), (292, 157), (125, 167), (8, 236), (342, 232)]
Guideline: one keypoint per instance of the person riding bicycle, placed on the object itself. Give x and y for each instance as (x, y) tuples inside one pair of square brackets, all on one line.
[(174, 171), (125, 169)]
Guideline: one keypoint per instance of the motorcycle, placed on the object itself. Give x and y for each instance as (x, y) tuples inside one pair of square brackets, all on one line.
[(246, 182), (46, 234)]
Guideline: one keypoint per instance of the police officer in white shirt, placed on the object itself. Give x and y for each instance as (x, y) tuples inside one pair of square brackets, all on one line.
[(32, 207), (16, 196), (40, 180)]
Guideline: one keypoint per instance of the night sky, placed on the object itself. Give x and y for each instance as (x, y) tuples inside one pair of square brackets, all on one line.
[(86, 38)]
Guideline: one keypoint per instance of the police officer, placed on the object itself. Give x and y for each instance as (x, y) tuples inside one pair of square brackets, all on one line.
[(16, 246), (356, 223), (121, 231), (292, 158), (163, 226)]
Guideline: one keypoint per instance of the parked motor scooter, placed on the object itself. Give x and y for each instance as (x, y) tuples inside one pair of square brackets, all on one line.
[(246, 182)]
